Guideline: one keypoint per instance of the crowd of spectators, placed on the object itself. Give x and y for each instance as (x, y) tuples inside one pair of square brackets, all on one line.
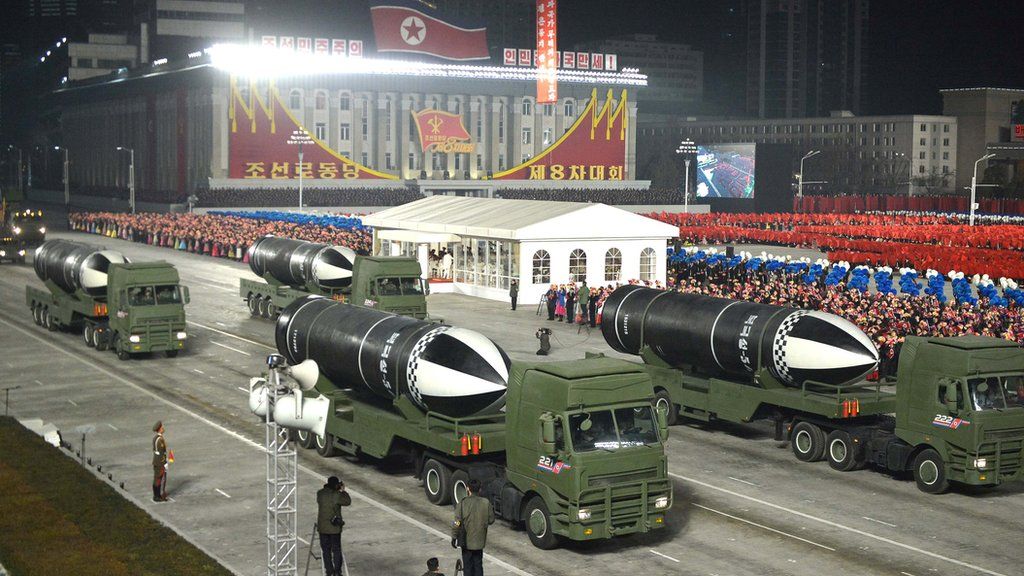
[(217, 235), (282, 197), (824, 204), (623, 196)]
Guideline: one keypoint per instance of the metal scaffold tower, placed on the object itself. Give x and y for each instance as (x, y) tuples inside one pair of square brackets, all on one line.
[(282, 493)]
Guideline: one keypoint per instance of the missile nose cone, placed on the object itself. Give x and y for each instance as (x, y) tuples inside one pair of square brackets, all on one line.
[(457, 372), (812, 345)]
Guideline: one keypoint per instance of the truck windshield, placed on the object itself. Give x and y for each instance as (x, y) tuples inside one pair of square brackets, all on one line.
[(168, 294), (1014, 387), (399, 287), (990, 392), (613, 429), (140, 296), (150, 295)]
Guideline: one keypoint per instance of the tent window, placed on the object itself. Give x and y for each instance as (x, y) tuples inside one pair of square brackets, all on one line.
[(648, 264), (577, 265), (612, 265), (541, 267)]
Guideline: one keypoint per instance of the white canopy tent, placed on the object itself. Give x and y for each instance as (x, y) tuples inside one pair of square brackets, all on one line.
[(536, 242)]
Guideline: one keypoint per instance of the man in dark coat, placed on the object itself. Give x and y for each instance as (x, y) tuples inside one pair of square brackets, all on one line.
[(513, 292), (329, 522), (474, 514)]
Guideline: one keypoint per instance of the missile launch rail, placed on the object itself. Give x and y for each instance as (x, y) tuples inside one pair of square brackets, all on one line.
[(935, 424), (125, 318), (531, 460), (371, 275)]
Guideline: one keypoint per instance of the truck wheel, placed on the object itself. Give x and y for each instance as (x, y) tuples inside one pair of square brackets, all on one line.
[(808, 442), (662, 398), (261, 307), (305, 438), (271, 310), (87, 335), (51, 324), (325, 445), (538, 524), (843, 454), (437, 482), (37, 315), (250, 301), (460, 485), (171, 353), (930, 472), (100, 340)]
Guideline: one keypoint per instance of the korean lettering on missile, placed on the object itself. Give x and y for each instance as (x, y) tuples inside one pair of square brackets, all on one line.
[(748, 325)]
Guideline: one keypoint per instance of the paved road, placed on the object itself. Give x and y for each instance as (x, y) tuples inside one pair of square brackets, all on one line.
[(744, 505)]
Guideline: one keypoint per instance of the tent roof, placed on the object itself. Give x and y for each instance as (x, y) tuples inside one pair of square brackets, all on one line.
[(518, 219)]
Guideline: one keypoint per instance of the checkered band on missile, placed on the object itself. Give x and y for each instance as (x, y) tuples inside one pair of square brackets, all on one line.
[(717, 335)]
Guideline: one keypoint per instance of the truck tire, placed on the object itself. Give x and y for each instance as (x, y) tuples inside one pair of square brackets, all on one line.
[(51, 324), (261, 307), (437, 482), (808, 442), (538, 524), (100, 340), (325, 445), (37, 315), (171, 353), (87, 334), (271, 309), (305, 439), (930, 472), (662, 398), (460, 485), (842, 452), (250, 301), (122, 354)]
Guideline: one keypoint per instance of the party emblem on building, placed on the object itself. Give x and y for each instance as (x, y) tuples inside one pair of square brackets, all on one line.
[(442, 132)]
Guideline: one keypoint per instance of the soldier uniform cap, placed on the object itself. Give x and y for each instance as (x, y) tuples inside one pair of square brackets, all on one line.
[(156, 427)]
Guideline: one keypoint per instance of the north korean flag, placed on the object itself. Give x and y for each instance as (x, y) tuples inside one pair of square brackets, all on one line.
[(401, 26)]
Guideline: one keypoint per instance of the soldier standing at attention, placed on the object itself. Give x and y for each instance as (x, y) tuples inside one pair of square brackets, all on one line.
[(159, 463)]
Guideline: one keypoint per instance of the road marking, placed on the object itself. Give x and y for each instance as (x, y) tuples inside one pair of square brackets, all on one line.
[(223, 493), (656, 553), (303, 540), (231, 335), (198, 371), (906, 574), (215, 343), (318, 476), (744, 481), (859, 532), (879, 522), (768, 528), (70, 401), (214, 286), (38, 382), (112, 427), (224, 325)]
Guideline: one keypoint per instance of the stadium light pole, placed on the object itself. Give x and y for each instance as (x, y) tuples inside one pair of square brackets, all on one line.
[(687, 149), (67, 189), (300, 137), (800, 176), (131, 176), (974, 184)]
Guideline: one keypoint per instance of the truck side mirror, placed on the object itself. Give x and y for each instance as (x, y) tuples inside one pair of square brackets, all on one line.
[(661, 413), (547, 433), (184, 295)]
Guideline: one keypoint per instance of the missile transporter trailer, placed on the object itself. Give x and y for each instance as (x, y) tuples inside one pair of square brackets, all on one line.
[(126, 307), (293, 269), (956, 415), (577, 454)]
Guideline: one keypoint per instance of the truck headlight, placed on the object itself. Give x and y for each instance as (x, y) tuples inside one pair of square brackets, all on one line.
[(584, 514), (21, 252), (135, 338), (17, 230), (661, 502), (980, 463), (181, 335), (42, 229), (3, 253)]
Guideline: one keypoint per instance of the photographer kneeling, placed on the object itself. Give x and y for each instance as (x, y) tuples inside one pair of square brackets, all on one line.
[(544, 335), (329, 523)]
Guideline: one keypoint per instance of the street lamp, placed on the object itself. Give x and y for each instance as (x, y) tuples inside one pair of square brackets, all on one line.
[(300, 137), (687, 149), (131, 176), (800, 176), (67, 163), (974, 184)]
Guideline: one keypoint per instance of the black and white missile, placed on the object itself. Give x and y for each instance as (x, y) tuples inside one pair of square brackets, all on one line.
[(73, 266), (444, 369), (736, 337), (302, 264)]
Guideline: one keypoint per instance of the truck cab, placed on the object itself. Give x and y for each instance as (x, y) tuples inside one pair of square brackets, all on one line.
[(585, 452), (961, 410), (146, 307), (11, 247), (28, 227), (390, 284)]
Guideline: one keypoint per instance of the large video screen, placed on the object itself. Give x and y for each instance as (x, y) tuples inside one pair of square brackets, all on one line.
[(725, 171)]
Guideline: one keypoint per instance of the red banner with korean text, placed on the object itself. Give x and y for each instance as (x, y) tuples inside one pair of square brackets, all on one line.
[(594, 147), (547, 51), (259, 129)]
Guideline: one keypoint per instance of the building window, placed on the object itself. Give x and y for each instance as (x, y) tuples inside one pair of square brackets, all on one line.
[(612, 265), (412, 161), (945, 169), (456, 107), (365, 128), (547, 137), (920, 169), (924, 127), (387, 161), (648, 265), (570, 109), (479, 162), (501, 162), (345, 102), (295, 100), (945, 127), (321, 131), (549, 110), (527, 107), (527, 136), (345, 133), (921, 155), (479, 127), (321, 100), (923, 141), (541, 267), (577, 265), (945, 155), (364, 159), (945, 141), (501, 129)]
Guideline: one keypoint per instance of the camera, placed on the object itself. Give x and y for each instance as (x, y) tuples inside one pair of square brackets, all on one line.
[(275, 361), (541, 332)]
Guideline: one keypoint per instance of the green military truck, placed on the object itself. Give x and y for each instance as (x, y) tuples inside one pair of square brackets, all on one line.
[(11, 247), (293, 269), (577, 453), (953, 413), (28, 227), (127, 307)]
